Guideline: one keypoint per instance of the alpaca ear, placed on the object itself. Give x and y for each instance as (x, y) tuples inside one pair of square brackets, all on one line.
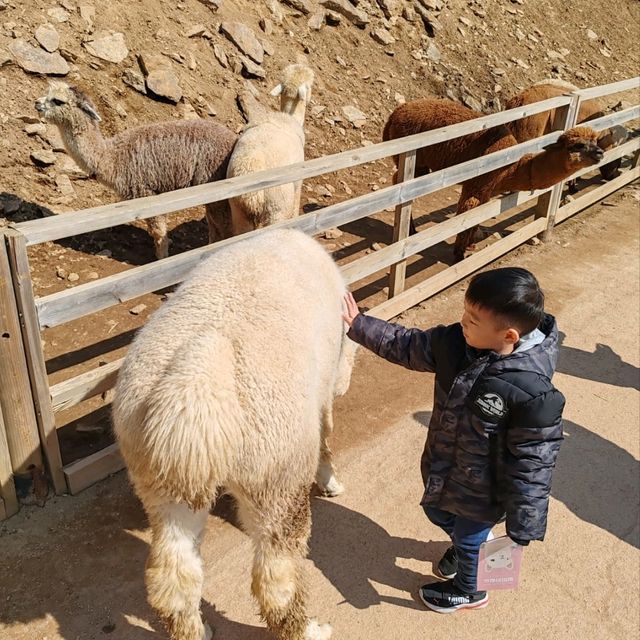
[(302, 92), (90, 110), (276, 91)]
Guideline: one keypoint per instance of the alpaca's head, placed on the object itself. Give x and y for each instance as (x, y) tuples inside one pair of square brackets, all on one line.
[(295, 89), (578, 147), (66, 106)]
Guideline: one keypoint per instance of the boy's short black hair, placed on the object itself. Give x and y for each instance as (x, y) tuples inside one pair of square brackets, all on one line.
[(511, 293)]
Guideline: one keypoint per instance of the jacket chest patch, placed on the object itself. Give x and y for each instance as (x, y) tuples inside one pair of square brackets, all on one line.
[(491, 405)]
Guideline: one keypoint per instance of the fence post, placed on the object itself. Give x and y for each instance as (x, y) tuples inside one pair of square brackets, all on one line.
[(549, 202), (19, 263), (406, 171), (8, 496), (20, 428)]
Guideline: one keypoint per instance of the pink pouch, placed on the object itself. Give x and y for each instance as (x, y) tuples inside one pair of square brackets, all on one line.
[(499, 564)]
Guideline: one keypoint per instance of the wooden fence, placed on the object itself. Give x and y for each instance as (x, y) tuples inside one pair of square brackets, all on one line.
[(23, 375)]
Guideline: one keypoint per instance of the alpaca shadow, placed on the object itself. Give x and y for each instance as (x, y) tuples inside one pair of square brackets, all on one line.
[(598, 481), (602, 365), (15, 209), (352, 551)]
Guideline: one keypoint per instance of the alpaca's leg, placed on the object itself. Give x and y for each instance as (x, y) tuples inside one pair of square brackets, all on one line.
[(326, 475), (158, 229), (279, 526), (218, 216), (174, 572), (466, 237)]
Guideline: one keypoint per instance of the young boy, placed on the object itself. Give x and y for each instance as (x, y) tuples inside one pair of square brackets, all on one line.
[(496, 425)]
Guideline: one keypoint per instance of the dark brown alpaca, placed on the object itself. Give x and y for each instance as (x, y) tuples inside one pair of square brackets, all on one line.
[(575, 149)]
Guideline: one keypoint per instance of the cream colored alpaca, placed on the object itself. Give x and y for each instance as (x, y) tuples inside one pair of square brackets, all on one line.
[(231, 383), (145, 160), (272, 139)]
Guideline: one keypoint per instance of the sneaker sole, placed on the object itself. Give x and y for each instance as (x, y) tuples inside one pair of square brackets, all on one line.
[(481, 604), (444, 576)]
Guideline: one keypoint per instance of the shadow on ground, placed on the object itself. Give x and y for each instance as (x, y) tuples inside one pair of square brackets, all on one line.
[(602, 365)]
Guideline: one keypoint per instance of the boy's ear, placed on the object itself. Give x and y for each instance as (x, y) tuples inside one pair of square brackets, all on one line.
[(512, 336)]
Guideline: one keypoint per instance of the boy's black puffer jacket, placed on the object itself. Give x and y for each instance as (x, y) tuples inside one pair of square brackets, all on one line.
[(496, 426)]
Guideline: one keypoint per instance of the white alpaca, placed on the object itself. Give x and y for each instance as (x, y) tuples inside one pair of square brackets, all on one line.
[(231, 383), (272, 139)]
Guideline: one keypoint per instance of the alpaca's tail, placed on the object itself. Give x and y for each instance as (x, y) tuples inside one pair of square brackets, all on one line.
[(190, 432)]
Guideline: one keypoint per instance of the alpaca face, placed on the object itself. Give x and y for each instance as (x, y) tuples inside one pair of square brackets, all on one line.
[(64, 105), (580, 145)]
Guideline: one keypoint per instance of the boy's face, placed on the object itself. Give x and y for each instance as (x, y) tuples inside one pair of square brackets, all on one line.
[(484, 330)]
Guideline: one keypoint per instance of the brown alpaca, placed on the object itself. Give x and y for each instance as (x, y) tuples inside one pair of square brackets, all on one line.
[(540, 123), (146, 160), (575, 149)]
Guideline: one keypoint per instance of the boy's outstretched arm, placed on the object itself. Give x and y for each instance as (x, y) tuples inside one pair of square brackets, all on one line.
[(534, 436), (409, 347)]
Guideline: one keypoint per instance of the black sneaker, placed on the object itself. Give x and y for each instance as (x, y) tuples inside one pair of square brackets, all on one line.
[(448, 565), (445, 597)]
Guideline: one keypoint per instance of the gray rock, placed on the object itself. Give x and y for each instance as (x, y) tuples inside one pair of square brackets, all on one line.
[(332, 18), (43, 157), (164, 84), (48, 37), (429, 19), (244, 38), (108, 46), (5, 58), (250, 69), (65, 188), (592, 35), (432, 5), (390, 8), (38, 61), (58, 14), (471, 102), (138, 309), (214, 5), (88, 14), (465, 21), (333, 234), (304, 6), (357, 16), (409, 13), (135, 80), (38, 128), (276, 11), (197, 31), (354, 116), (382, 36), (316, 20), (433, 53), (220, 55)]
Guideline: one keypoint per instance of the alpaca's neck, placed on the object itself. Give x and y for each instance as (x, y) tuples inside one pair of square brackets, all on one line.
[(296, 108), (86, 146), (538, 171)]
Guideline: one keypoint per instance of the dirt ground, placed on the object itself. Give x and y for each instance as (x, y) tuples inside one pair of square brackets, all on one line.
[(74, 570)]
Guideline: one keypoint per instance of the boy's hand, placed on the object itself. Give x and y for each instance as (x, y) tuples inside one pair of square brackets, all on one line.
[(352, 308)]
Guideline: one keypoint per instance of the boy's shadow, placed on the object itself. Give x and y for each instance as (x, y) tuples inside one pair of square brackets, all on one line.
[(603, 365), (598, 481), (352, 550)]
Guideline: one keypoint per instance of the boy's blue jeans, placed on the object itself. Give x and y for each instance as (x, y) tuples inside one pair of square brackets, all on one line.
[(467, 536)]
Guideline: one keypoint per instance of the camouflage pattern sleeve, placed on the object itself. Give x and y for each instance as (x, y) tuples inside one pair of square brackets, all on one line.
[(410, 348)]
